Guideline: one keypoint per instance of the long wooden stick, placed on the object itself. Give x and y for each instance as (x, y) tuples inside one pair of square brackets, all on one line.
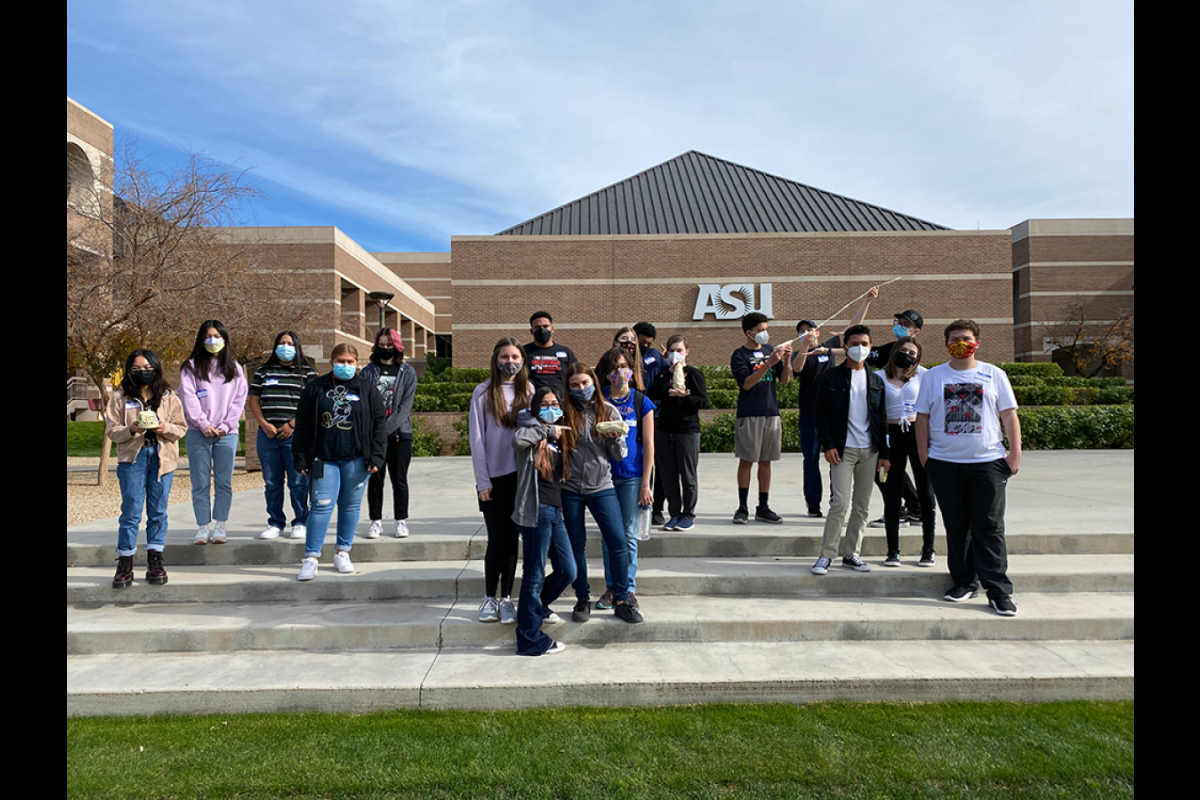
[(843, 308)]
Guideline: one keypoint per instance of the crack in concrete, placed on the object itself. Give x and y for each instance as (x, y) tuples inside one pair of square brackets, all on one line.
[(442, 621)]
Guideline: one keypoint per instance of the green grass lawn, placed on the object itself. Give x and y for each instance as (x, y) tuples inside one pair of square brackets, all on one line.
[(841, 750), (84, 437)]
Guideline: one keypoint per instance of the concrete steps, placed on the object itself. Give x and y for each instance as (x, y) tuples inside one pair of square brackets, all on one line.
[(732, 614)]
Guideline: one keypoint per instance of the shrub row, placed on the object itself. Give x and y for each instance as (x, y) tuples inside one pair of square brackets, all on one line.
[(1056, 428)]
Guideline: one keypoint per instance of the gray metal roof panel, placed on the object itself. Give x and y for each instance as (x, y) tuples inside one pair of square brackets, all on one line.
[(697, 193)]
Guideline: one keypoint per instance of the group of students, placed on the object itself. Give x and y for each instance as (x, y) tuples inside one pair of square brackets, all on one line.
[(872, 415), (552, 438), (323, 437)]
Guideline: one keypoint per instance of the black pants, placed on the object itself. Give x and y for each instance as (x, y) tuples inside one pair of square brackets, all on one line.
[(676, 456), (972, 498), (912, 498), (504, 538), (399, 454), (904, 449)]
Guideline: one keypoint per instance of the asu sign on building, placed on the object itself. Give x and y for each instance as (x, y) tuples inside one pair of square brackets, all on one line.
[(733, 301)]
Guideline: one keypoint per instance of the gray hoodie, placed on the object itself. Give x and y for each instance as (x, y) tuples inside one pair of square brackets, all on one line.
[(591, 471)]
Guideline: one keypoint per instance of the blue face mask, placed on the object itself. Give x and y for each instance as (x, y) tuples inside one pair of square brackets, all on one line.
[(550, 414), (581, 396), (285, 352), (343, 372), (899, 330)]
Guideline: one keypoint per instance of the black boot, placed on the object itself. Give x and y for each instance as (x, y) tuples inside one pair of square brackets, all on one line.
[(156, 573), (124, 576)]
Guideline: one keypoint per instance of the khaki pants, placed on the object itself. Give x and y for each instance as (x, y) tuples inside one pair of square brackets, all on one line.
[(850, 484)]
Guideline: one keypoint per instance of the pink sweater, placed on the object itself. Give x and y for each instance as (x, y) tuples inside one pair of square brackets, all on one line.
[(212, 402)]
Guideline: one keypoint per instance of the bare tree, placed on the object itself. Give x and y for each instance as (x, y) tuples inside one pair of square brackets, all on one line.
[(146, 263), (1085, 345)]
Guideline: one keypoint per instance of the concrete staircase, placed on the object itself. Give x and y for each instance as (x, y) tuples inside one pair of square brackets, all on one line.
[(732, 614)]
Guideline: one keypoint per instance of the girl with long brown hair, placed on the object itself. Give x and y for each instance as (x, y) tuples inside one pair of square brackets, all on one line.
[(492, 419), (588, 484), (902, 383)]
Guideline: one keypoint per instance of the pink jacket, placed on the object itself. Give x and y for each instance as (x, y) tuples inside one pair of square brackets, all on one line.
[(212, 401)]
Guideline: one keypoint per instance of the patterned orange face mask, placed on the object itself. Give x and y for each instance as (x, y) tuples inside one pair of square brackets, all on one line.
[(962, 349)]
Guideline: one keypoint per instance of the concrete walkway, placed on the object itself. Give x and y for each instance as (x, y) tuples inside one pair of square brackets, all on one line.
[(732, 612)]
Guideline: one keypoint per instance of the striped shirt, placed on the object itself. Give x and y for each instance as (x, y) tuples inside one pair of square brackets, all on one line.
[(278, 389)]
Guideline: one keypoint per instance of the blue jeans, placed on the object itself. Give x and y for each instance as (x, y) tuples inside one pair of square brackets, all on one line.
[(210, 461), (627, 495), (606, 510), (140, 485), (811, 448), (275, 455), (342, 484), (537, 590)]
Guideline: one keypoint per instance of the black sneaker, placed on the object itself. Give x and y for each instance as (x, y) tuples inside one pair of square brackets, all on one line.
[(957, 594), (1004, 606), (628, 613), (927, 559), (815, 512), (156, 573), (892, 560), (913, 519), (741, 516), (124, 577), (582, 612), (764, 514)]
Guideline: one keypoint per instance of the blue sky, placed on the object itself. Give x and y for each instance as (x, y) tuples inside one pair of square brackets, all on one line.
[(404, 123)]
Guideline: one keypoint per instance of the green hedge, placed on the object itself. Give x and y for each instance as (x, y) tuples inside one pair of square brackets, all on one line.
[(1048, 428)]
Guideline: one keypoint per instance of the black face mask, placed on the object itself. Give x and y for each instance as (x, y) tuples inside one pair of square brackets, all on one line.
[(142, 377), (905, 360), (542, 335), (386, 353), (644, 348)]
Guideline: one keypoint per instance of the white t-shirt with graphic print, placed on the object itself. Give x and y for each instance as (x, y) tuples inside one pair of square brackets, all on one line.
[(964, 411)]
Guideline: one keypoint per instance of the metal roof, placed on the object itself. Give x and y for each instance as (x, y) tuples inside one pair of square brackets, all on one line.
[(697, 193)]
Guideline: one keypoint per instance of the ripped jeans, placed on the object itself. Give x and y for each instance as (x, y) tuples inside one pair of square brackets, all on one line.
[(342, 483)]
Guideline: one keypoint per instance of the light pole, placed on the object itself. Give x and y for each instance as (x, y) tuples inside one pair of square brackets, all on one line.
[(381, 299)]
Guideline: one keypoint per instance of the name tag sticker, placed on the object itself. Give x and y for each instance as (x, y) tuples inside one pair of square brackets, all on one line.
[(648, 360), (202, 393), (131, 404), (351, 396), (631, 422), (822, 359), (271, 382), (987, 375), (561, 354), (758, 354)]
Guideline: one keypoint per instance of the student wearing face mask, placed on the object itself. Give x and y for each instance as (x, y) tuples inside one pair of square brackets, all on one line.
[(145, 420), (493, 421), (274, 395), (852, 427), (758, 367), (902, 382), (588, 485), (545, 358), (213, 390), (630, 475), (626, 341), (340, 439), (396, 383), (677, 434), (542, 446)]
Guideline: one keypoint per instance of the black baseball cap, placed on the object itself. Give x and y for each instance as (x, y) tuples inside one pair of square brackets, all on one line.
[(911, 316)]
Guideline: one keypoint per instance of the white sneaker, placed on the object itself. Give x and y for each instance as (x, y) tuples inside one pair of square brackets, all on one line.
[(308, 569), (270, 532), (341, 560), (489, 611), (555, 648), (376, 529), (508, 612), (401, 529), (299, 531), (218, 534), (201, 535), (552, 618)]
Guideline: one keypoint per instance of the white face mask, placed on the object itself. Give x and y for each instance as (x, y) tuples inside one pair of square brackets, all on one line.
[(762, 337), (859, 352), (675, 357), (214, 345)]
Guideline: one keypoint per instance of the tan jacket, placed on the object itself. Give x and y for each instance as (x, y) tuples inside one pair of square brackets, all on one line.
[(123, 412)]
